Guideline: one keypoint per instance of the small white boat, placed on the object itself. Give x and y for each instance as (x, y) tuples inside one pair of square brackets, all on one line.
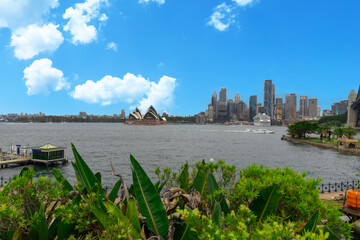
[(263, 131), (248, 130)]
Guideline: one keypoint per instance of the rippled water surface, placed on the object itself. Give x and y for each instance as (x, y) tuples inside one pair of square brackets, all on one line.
[(172, 145)]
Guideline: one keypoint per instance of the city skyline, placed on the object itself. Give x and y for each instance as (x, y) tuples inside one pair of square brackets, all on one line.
[(139, 53)]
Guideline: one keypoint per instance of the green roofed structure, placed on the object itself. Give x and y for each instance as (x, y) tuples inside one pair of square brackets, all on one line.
[(47, 152)]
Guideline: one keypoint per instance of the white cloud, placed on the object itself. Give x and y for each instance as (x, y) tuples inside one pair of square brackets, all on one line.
[(40, 77), (79, 18), (33, 39), (160, 95), (20, 13), (112, 46), (160, 2), (222, 17), (130, 89), (243, 3)]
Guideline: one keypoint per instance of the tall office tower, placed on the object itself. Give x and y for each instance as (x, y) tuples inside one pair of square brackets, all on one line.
[(237, 98), (123, 114), (268, 98), (231, 114), (222, 113), (210, 113), (340, 107), (279, 112), (222, 95), (318, 111), (303, 106), (290, 106), (273, 100), (252, 105), (214, 104), (312, 107)]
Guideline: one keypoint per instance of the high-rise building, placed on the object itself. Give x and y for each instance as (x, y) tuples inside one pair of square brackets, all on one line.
[(82, 115), (313, 107), (260, 109), (318, 111), (252, 105), (214, 104), (273, 100), (237, 98), (122, 115), (340, 107), (268, 97), (290, 106), (210, 113), (279, 109), (222, 111), (304, 106), (231, 110)]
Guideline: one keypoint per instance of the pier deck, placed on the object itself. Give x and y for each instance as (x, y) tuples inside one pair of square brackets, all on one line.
[(13, 159)]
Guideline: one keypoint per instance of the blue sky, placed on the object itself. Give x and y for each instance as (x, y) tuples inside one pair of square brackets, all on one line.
[(100, 56)]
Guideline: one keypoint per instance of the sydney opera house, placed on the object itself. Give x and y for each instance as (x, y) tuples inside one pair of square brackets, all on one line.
[(151, 117)]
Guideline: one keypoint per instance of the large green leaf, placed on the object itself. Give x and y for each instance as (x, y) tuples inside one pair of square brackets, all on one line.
[(217, 213), (200, 182), (86, 176), (132, 214), (115, 190), (98, 176), (311, 224), (266, 203), (189, 233), (212, 187), (184, 178), (64, 230), (60, 178), (332, 235), (150, 204)]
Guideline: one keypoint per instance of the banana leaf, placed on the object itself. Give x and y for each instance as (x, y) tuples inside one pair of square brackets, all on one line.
[(60, 178), (189, 233), (266, 203), (200, 182), (98, 176), (115, 190), (311, 224), (150, 204), (184, 178), (212, 187), (132, 214), (217, 213)]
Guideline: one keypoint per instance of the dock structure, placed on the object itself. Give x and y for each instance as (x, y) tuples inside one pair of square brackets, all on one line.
[(47, 155)]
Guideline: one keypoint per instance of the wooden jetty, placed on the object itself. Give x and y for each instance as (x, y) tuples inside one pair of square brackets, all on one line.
[(47, 155)]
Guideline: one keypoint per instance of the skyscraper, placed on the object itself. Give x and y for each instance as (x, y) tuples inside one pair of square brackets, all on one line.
[(273, 100), (214, 104), (313, 107), (237, 98), (222, 112), (290, 106), (279, 112), (304, 111), (252, 105), (268, 97), (231, 114)]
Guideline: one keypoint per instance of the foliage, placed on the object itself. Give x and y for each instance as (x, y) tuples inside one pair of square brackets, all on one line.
[(300, 129), (194, 204), (335, 120)]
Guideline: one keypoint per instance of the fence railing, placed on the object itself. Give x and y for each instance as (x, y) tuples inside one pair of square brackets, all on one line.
[(3, 181), (339, 186)]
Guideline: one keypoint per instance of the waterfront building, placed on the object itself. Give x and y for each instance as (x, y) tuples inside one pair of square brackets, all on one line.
[(279, 109), (82, 114), (151, 117), (262, 120), (304, 106), (340, 107), (237, 98), (242, 111), (290, 106), (269, 88), (260, 109), (313, 107), (273, 101), (327, 112), (231, 110), (222, 95), (200, 118), (252, 105), (318, 111)]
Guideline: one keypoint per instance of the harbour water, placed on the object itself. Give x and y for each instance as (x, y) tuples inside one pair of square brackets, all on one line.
[(171, 146)]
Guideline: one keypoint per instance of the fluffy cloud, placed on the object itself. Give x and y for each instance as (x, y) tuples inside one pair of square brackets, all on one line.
[(40, 77), (79, 18), (33, 39), (243, 3), (19, 13), (112, 46), (160, 2), (222, 17), (130, 89), (160, 95)]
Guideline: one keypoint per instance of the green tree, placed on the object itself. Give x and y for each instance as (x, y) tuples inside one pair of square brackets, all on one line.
[(350, 132), (300, 129)]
